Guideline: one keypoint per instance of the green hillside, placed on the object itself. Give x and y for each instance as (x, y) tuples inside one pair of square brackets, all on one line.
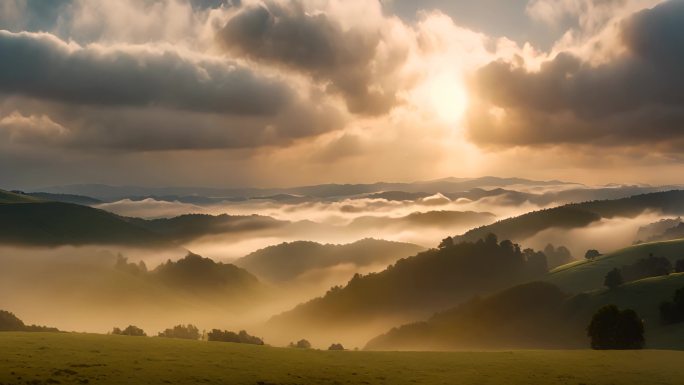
[(98, 359), (538, 315), (588, 275), (10, 197)]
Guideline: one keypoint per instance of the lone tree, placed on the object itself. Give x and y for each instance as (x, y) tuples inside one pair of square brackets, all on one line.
[(611, 328), (591, 254), (613, 279), (336, 347)]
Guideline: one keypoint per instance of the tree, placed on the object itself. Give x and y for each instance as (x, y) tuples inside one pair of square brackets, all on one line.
[(673, 312), (188, 332), (591, 254), (613, 279), (679, 266), (446, 242), (651, 266), (611, 328), (336, 347)]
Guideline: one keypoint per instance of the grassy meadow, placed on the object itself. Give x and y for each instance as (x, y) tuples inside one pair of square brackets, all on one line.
[(67, 358)]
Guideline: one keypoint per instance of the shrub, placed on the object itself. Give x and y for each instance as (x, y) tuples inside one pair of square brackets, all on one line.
[(301, 344), (130, 330), (613, 279), (673, 312), (241, 337), (188, 332)]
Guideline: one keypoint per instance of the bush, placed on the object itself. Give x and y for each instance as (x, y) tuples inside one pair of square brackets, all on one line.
[(647, 267), (613, 279), (130, 330), (679, 266), (611, 328), (188, 332), (241, 337), (336, 347), (673, 312), (301, 344)]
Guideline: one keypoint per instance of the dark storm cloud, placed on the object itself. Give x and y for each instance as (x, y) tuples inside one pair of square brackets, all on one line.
[(631, 100), (42, 66), (284, 34)]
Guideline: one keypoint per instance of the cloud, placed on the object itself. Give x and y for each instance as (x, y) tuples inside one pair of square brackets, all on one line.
[(354, 60), (43, 66), (634, 99), (147, 97)]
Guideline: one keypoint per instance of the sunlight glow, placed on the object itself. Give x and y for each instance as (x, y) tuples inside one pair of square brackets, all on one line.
[(448, 97)]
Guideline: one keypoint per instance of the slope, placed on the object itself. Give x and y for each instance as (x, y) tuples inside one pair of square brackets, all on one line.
[(589, 274), (287, 261)]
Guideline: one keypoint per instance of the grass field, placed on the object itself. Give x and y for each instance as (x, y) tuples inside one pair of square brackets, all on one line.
[(52, 358), (586, 275)]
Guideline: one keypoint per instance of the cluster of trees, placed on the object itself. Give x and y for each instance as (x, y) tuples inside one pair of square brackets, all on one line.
[(301, 344), (11, 323), (651, 266), (612, 328), (130, 330), (242, 337), (557, 256), (188, 332), (673, 312), (336, 347)]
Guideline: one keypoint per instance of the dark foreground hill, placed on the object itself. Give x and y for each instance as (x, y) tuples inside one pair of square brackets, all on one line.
[(287, 261)]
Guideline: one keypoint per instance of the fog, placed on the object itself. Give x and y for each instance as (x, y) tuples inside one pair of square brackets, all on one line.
[(605, 235)]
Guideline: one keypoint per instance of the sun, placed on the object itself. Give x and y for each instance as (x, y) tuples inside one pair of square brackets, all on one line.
[(447, 97)]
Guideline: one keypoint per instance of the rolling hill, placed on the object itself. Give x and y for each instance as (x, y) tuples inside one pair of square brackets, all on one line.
[(287, 261), (577, 215), (412, 288), (28, 221), (552, 313), (587, 275), (7, 197), (538, 315)]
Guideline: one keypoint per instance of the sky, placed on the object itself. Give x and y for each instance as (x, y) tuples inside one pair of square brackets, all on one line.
[(281, 93)]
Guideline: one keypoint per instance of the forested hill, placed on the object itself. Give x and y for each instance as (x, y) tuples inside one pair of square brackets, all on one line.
[(576, 215)]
